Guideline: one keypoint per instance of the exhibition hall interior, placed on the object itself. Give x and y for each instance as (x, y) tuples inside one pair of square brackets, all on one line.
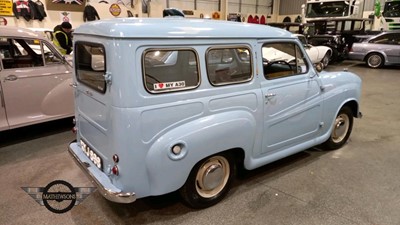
[(199, 112)]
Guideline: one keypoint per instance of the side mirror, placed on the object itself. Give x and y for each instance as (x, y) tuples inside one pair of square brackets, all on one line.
[(319, 66)]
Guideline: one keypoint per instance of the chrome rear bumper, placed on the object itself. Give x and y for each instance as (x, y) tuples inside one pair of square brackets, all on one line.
[(101, 180)]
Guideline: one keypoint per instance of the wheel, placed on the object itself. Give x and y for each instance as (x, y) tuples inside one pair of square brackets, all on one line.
[(208, 182), (334, 56), (325, 60), (375, 60), (341, 131)]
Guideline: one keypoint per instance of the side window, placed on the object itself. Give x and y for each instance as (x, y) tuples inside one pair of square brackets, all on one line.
[(7, 53), (283, 60), (90, 65), (228, 65), (397, 38), (167, 70), (20, 53), (49, 56), (385, 39)]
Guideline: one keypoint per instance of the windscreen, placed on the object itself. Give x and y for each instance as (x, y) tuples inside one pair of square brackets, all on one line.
[(392, 9)]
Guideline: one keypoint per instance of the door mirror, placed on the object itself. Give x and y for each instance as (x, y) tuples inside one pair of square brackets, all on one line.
[(318, 66)]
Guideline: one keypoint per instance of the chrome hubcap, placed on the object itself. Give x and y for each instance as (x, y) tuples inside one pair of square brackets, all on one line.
[(374, 61), (212, 176), (340, 128)]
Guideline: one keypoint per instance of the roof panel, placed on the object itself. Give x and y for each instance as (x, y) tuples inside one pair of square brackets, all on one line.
[(177, 27)]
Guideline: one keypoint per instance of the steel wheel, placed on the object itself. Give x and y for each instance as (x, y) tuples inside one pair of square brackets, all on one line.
[(341, 129), (212, 176), (375, 60), (208, 182)]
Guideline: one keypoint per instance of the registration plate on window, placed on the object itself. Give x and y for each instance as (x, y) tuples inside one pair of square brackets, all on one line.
[(92, 155)]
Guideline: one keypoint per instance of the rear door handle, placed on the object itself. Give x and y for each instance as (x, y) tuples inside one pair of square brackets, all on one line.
[(11, 78), (74, 85), (270, 95)]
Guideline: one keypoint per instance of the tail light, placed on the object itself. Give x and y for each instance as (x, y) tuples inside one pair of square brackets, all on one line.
[(115, 170)]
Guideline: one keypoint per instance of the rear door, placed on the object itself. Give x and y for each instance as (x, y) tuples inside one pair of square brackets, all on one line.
[(35, 82), (396, 47), (392, 47), (92, 95), (389, 44), (3, 117)]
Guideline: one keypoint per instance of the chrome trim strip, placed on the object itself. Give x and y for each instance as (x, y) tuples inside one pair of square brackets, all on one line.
[(103, 183)]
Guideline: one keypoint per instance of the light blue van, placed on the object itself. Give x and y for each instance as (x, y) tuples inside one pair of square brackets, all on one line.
[(179, 104)]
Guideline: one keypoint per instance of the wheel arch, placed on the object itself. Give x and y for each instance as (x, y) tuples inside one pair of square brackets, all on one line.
[(330, 52), (375, 52), (353, 105), (205, 138)]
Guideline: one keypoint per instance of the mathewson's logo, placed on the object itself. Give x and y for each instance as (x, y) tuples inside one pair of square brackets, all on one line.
[(59, 196)]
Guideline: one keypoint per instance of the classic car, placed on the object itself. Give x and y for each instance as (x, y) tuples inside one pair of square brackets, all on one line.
[(34, 79), (46, 31), (317, 54), (378, 50), (185, 107), (338, 34)]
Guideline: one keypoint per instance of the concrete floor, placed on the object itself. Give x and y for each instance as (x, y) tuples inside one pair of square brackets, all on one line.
[(358, 184)]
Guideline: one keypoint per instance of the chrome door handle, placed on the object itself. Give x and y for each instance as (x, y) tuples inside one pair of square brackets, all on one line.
[(270, 95), (11, 78), (74, 85), (89, 93)]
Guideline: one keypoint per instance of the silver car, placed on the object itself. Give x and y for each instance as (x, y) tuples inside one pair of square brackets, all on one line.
[(34, 79), (378, 50)]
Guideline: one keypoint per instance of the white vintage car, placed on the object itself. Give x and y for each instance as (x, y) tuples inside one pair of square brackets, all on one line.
[(34, 79), (317, 54)]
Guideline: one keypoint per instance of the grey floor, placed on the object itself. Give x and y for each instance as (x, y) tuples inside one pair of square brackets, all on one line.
[(358, 184)]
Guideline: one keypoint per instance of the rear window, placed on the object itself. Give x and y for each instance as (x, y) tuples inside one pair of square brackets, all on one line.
[(228, 65), (167, 70), (90, 65), (390, 39)]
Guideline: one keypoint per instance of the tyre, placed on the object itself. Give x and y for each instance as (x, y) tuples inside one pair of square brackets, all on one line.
[(375, 60), (208, 182), (335, 55), (325, 60), (341, 131)]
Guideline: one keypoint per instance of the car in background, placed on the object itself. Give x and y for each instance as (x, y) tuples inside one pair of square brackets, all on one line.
[(46, 31), (379, 50), (318, 54), (339, 34), (34, 79)]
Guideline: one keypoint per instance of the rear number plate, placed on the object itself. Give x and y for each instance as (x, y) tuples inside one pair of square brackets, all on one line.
[(92, 155)]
